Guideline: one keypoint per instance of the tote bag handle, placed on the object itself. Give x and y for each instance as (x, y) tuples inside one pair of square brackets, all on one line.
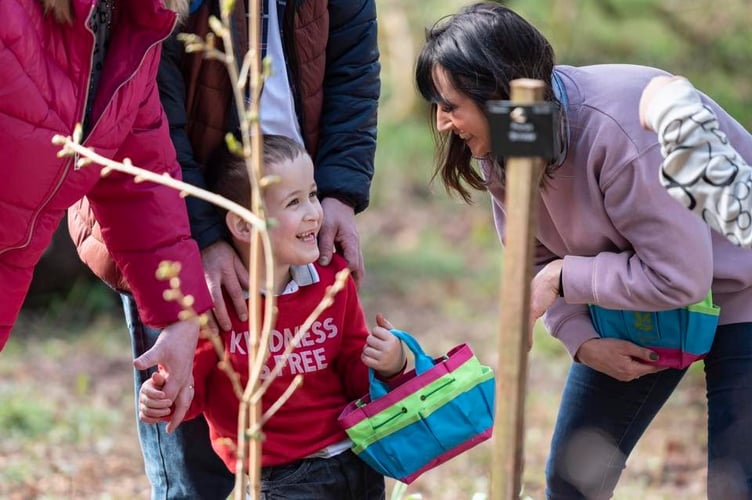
[(423, 363)]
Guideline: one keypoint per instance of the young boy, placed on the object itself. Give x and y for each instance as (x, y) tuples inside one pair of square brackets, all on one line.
[(701, 169), (305, 453)]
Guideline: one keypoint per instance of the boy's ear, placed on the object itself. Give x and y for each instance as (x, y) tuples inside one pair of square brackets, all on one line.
[(238, 227)]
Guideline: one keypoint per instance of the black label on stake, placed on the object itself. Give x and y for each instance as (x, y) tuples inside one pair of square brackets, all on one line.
[(524, 130)]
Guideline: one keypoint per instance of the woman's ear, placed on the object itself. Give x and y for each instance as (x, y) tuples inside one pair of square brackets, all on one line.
[(238, 227)]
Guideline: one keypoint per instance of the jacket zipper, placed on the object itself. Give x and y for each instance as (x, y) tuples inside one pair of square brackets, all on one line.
[(117, 89), (82, 111)]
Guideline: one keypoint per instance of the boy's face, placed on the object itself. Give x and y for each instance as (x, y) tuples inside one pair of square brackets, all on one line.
[(293, 204)]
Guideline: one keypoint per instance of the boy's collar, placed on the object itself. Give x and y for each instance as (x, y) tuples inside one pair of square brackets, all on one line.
[(300, 276)]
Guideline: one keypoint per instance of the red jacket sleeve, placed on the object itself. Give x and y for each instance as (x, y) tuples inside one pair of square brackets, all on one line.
[(146, 223)]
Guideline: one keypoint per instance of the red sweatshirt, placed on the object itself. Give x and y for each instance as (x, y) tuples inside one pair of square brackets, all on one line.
[(328, 356)]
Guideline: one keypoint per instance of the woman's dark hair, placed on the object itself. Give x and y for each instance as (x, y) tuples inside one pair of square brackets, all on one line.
[(227, 174), (482, 48)]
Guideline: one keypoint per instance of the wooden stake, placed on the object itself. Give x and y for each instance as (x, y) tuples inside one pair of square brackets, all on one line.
[(522, 179)]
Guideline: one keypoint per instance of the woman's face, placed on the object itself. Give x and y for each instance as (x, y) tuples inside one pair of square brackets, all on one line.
[(460, 115)]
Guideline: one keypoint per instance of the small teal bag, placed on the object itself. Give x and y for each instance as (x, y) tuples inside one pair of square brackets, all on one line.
[(440, 409), (679, 336)]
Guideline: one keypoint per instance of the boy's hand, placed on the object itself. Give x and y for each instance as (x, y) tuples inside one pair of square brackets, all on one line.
[(383, 351), (153, 404)]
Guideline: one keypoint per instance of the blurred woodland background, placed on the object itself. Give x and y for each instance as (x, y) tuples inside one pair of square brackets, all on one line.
[(66, 406)]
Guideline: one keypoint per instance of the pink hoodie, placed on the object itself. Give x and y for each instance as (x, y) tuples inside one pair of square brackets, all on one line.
[(626, 243)]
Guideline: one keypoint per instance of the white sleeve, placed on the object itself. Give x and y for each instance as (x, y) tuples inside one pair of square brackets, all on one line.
[(701, 169)]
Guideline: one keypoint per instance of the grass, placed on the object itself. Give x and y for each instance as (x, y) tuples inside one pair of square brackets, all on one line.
[(65, 408)]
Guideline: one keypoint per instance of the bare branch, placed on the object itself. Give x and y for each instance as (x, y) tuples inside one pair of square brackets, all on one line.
[(71, 147)]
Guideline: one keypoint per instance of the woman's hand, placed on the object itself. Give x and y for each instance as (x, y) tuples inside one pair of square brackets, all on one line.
[(544, 290), (619, 359)]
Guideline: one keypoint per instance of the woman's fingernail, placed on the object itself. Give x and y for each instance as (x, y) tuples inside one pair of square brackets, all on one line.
[(654, 356)]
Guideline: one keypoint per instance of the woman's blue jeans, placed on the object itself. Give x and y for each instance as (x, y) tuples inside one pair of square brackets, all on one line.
[(181, 465), (601, 419)]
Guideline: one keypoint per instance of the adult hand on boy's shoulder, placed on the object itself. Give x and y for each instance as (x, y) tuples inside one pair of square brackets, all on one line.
[(339, 229), (223, 269)]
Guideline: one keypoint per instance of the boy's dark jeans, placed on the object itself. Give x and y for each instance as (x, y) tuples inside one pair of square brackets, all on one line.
[(342, 477)]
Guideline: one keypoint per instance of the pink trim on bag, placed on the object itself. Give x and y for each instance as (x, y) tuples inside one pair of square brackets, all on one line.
[(674, 358), (406, 384)]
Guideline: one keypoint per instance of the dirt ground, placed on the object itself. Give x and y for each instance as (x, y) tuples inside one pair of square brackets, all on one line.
[(88, 448)]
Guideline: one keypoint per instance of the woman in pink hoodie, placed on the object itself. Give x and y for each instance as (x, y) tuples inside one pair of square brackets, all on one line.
[(609, 235)]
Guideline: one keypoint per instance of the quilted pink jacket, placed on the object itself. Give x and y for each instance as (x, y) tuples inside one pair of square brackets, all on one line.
[(44, 76)]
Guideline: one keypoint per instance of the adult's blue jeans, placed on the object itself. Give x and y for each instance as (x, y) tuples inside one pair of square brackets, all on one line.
[(342, 477), (181, 465), (601, 419)]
